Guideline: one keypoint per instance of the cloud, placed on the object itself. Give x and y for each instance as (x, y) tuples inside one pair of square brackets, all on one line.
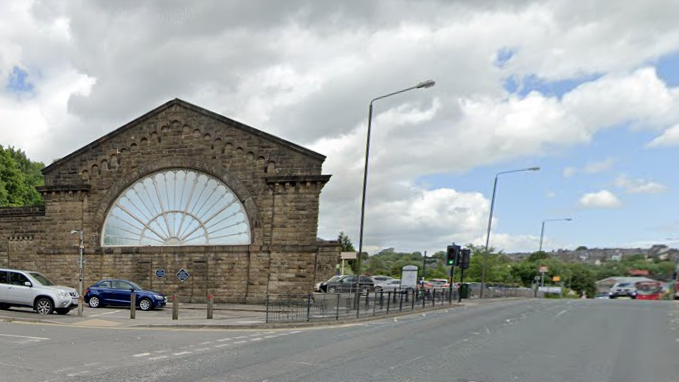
[(669, 137), (552, 194), (590, 168), (639, 186), (601, 199), (306, 71)]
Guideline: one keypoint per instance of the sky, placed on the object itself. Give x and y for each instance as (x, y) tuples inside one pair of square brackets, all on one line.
[(587, 91)]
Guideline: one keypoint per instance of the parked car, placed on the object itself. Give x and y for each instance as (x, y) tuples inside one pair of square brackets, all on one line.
[(344, 284), (33, 290), (623, 290), (321, 287), (393, 285), (439, 283), (119, 292), (381, 280)]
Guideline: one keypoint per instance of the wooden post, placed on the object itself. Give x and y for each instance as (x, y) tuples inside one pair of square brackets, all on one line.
[(209, 307), (133, 306), (175, 307)]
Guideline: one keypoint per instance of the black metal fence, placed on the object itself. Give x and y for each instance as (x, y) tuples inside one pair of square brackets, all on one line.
[(335, 306)]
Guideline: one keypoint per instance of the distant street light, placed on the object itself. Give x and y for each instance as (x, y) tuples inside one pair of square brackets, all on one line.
[(542, 232), (421, 85), (81, 300), (490, 222)]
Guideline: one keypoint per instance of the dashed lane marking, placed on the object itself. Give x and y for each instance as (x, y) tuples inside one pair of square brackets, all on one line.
[(141, 355), (183, 352), (157, 358)]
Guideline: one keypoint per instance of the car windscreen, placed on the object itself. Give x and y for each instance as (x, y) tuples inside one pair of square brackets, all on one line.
[(135, 286), (41, 279)]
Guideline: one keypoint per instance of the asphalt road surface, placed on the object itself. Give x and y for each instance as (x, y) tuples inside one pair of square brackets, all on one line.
[(526, 341)]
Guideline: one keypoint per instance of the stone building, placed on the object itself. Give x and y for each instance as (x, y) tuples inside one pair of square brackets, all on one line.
[(179, 188)]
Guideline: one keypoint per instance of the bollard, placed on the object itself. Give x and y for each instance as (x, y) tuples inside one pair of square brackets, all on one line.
[(209, 307), (81, 305), (175, 307), (133, 306)]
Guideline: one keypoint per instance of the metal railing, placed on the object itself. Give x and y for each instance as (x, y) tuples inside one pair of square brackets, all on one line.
[(336, 306)]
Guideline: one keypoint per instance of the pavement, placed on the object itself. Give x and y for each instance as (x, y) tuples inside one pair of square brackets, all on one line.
[(190, 316), (511, 340)]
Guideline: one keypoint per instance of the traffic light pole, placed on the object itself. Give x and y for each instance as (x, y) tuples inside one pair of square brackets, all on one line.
[(450, 285), (461, 283)]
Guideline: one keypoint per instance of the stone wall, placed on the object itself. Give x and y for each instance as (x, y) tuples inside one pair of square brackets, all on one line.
[(277, 182)]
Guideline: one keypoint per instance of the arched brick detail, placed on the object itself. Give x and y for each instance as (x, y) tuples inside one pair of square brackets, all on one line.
[(216, 170)]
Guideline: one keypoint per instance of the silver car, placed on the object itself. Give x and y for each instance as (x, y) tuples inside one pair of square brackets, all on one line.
[(33, 290)]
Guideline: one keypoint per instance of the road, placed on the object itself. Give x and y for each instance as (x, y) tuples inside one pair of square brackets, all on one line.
[(531, 340)]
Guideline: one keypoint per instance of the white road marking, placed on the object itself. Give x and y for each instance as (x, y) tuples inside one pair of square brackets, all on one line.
[(296, 331), (256, 339), (24, 339), (78, 373), (240, 342), (104, 314), (161, 351), (561, 312), (487, 330), (224, 339), (183, 352), (142, 355), (205, 343), (157, 358), (222, 345), (241, 337)]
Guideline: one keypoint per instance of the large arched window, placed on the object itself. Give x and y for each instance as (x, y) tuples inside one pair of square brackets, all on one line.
[(177, 207)]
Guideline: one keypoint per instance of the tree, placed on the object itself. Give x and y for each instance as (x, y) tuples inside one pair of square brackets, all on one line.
[(537, 256), (345, 242), (18, 179), (581, 248)]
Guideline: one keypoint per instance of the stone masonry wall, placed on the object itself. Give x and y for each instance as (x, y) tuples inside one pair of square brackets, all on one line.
[(277, 182)]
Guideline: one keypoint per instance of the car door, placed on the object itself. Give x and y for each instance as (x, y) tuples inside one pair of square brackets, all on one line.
[(121, 292), (4, 285), (18, 293), (103, 291)]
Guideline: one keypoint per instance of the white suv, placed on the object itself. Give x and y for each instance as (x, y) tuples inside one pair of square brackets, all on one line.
[(33, 290)]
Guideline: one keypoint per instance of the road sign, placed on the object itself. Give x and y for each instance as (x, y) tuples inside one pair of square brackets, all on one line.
[(556, 278), (182, 275), (544, 269), (160, 273)]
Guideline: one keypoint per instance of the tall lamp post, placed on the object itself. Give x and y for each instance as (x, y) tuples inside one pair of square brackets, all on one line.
[(490, 222), (542, 232), (81, 300), (421, 85)]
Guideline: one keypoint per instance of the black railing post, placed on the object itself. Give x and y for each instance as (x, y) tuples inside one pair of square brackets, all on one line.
[(433, 297), (337, 307), (388, 301), (412, 291), (422, 293), (400, 302), (367, 300), (308, 307), (267, 309)]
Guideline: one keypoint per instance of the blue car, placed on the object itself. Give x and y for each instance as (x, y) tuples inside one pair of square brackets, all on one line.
[(118, 292)]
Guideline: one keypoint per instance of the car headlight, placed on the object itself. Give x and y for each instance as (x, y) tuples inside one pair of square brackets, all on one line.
[(158, 297), (62, 293)]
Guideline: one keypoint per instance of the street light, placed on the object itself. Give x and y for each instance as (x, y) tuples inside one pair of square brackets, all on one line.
[(422, 85), (81, 300), (542, 232), (490, 222)]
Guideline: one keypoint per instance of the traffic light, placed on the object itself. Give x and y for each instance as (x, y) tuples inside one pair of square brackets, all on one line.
[(465, 256), (453, 255)]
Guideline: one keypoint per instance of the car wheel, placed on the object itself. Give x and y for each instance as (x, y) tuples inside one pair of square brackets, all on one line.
[(94, 302), (332, 289), (62, 311), (44, 306), (378, 289), (145, 304)]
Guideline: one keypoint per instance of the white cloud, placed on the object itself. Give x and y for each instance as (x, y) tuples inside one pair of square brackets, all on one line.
[(601, 199), (552, 194), (590, 168), (639, 186), (307, 70), (669, 137)]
